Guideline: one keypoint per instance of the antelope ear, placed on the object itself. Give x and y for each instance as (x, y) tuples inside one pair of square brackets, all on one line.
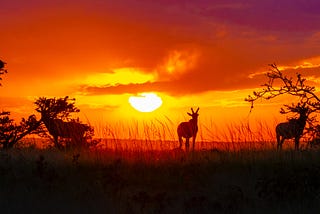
[(197, 110), (189, 114)]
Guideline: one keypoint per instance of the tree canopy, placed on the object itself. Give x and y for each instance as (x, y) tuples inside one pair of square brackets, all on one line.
[(57, 120), (56, 108), (280, 84)]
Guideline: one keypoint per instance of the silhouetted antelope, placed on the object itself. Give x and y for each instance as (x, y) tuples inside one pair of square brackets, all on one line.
[(189, 129), (293, 128), (72, 130), (2, 64)]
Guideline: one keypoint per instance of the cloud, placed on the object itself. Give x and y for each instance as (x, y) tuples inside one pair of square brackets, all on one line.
[(290, 15), (202, 78), (132, 88), (191, 47), (180, 61), (179, 87), (222, 68)]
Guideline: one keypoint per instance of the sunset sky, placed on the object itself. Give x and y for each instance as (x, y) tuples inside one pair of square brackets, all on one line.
[(207, 53)]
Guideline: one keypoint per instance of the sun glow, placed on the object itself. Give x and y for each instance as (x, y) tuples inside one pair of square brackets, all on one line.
[(145, 102)]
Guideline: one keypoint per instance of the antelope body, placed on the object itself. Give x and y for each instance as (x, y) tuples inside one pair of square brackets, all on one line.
[(72, 130), (189, 129), (292, 129)]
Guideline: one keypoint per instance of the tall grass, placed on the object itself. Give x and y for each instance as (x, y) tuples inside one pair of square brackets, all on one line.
[(138, 168), (161, 135), (150, 181)]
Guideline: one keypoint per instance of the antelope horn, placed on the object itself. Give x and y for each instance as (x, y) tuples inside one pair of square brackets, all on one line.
[(197, 110), (192, 111)]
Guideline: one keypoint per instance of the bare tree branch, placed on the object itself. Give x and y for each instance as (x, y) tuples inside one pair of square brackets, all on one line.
[(286, 85)]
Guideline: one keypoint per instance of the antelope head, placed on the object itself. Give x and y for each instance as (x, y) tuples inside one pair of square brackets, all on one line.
[(194, 114), (302, 110)]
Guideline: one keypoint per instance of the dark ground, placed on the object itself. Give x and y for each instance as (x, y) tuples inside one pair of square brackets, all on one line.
[(49, 181)]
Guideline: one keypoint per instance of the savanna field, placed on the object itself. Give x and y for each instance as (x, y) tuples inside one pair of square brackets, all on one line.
[(149, 176), (187, 107), (54, 163)]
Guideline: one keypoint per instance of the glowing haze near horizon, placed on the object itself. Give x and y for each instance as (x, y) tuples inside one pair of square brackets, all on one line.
[(207, 54)]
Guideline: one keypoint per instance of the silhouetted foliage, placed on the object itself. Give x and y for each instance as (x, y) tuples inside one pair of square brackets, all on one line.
[(57, 108), (56, 117), (2, 69), (280, 84), (11, 133), (51, 109), (286, 85)]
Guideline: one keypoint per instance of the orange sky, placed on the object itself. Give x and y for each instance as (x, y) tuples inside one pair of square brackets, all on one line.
[(210, 54)]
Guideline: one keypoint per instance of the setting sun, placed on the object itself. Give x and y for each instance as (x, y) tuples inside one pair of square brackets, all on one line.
[(145, 102)]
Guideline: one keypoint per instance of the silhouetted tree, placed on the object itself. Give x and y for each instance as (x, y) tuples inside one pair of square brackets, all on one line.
[(11, 133), (56, 117), (58, 108), (280, 84), (2, 69)]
